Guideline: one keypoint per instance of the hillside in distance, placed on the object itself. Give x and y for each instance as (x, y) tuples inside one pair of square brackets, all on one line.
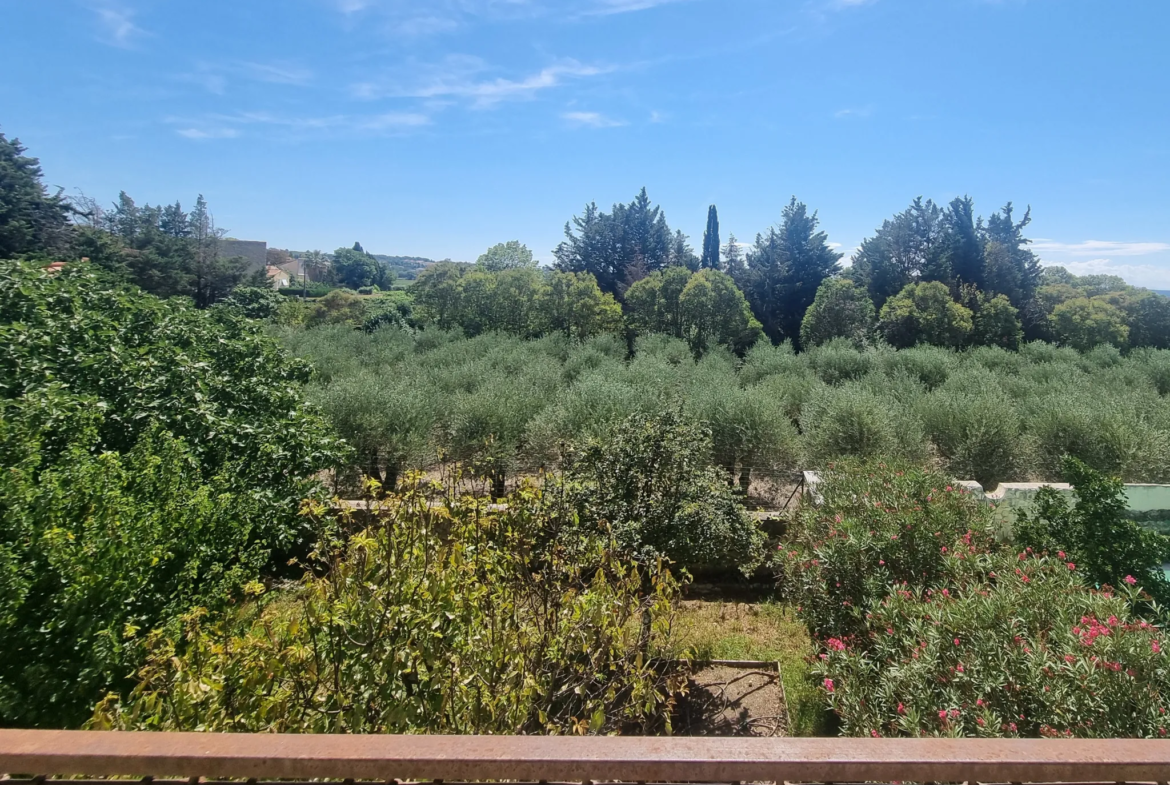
[(405, 267)]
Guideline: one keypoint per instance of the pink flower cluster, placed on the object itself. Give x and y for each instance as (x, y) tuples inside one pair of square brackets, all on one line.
[(1093, 629)]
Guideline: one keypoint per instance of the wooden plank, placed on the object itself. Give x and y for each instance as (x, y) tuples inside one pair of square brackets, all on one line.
[(576, 759)]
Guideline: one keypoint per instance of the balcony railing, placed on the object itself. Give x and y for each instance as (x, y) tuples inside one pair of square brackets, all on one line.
[(183, 758)]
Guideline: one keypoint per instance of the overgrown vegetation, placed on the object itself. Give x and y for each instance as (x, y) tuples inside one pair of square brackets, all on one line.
[(410, 400), (443, 616), (155, 459), (928, 626)]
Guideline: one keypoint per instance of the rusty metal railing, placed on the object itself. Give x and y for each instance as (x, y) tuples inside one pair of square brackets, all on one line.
[(189, 757)]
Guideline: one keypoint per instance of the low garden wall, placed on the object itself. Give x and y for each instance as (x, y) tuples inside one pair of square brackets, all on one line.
[(1148, 504)]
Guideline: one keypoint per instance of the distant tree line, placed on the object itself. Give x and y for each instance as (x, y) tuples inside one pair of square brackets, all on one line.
[(928, 275)]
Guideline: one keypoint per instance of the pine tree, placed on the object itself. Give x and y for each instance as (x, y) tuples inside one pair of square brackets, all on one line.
[(710, 260), (785, 270), (908, 248), (964, 244), (31, 220), (733, 263)]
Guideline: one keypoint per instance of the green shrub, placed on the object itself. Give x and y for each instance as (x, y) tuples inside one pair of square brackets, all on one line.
[(99, 548), (651, 484), (1094, 534), (1011, 648), (876, 526), (548, 630), (765, 360), (854, 420), (931, 365), (837, 361), (750, 431), (976, 429), (791, 392), (928, 628)]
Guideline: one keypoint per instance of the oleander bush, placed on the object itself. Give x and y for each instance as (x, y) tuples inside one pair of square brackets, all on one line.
[(443, 616), (1015, 645), (927, 625)]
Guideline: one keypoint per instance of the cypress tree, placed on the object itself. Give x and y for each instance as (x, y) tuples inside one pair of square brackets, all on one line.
[(710, 259)]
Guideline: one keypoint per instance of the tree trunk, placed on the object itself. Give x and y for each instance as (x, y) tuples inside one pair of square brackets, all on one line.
[(745, 479)]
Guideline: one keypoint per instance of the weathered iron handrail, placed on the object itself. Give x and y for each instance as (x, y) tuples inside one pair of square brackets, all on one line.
[(561, 759)]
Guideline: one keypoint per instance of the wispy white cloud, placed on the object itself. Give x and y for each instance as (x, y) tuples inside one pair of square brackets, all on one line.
[(591, 120), (853, 113), (464, 78), (610, 7), (116, 25), (221, 126), (277, 73), (1098, 247), (208, 133), (215, 77), (412, 18)]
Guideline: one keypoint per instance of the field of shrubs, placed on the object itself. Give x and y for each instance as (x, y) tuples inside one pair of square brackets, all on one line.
[(507, 406)]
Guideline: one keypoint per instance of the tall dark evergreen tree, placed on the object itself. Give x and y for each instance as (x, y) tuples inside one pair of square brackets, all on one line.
[(1010, 267), (964, 244), (908, 248), (31, 219), (620, 247), (786, 268), (733, 263), (710, 258)]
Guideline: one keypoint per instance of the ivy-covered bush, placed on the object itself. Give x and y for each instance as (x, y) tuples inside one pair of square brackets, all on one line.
[(444, 616)]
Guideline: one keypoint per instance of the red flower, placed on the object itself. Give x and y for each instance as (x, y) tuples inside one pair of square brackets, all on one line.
[(901, 709), (829, 685), (1130, 580), (956, 641), (1071, 566)]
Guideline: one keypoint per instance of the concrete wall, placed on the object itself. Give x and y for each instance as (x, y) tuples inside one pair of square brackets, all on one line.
[(1147, 504)]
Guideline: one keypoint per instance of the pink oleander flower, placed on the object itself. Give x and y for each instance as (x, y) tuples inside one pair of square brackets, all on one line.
[(1157, 647), (956, 641), (901, 709), (1072, 566), (1130, 580), (829, 685)]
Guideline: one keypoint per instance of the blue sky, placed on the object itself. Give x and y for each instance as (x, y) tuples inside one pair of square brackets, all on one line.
[(440, 127)]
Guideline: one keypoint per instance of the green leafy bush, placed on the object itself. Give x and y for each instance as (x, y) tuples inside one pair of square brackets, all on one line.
[(876, 527), (651, 484), (976, 429), (99, 548), (1014, 646), (855, 420), (155, 458), (1095, 534), (928, 627), (443, 617)]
